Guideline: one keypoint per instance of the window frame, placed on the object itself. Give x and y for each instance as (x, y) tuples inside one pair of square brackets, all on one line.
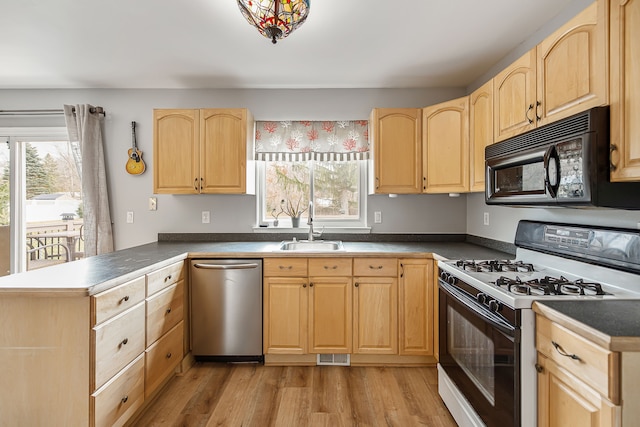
[(336, 225)]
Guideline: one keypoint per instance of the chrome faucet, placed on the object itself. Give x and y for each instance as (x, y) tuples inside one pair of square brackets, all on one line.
[(312, 235)]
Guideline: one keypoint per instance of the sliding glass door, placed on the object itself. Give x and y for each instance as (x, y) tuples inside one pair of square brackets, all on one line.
[(44, 210)]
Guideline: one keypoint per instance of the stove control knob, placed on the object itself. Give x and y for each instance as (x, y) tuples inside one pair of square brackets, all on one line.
[(444, 275), (495, 306), (481, 298)]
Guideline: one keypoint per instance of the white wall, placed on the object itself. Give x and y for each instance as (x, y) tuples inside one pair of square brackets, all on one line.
[(231, 213)]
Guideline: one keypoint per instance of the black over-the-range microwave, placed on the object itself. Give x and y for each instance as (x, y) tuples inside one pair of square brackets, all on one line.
[(565, 163)]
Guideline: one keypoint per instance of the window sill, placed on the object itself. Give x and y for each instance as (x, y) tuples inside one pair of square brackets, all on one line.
[(328, 230)]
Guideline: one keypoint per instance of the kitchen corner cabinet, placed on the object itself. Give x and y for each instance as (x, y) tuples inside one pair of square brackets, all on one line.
[(480, 133), (625, 90), (416, 307), (396, 134), (565, 74), (203, 151), (446, 147)]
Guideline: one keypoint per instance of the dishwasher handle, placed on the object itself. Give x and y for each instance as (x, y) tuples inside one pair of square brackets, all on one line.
[(226, 266)]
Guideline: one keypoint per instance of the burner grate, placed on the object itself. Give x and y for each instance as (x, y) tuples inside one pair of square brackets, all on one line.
[(492, 266), (549, 286)]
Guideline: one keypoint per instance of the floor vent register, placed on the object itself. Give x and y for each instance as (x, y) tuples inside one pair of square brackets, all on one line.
[(334, 359)]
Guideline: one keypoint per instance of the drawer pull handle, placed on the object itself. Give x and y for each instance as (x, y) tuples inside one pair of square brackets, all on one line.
[(168, 310), (311, 285), (169, 355), (285, 267), (326, 267), (304, 285), (124, 299), (560, 350), (124, 399), (373, 267), (124, 341), (166, 279)]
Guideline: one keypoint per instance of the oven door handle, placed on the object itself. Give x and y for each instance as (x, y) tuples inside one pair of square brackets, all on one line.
[(480, 310)]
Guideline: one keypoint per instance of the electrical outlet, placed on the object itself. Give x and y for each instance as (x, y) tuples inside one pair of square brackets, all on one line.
[(377, 217), (153, 203), (486, 218), (206, 217), (130, 217)]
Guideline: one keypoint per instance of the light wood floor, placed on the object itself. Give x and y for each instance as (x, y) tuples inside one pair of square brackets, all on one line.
[(212, 394)]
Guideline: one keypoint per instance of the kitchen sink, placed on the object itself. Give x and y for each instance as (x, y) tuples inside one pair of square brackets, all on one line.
[(311, 245)]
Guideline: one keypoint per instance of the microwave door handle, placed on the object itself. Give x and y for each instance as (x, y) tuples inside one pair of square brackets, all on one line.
[(552, 171)]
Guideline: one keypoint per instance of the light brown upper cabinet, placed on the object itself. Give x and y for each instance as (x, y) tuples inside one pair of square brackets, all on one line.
[(397, 150), (565, 74), (480, 132), (625, 90), (446, 147), (203, 151)]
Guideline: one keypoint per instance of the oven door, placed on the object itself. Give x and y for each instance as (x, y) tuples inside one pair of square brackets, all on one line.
[(480, 352)]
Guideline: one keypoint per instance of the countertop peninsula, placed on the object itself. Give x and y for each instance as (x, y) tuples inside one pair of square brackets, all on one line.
[(95, 274)]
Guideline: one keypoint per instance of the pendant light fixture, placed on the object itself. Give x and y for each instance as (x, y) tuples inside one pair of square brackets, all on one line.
[(275, 19)]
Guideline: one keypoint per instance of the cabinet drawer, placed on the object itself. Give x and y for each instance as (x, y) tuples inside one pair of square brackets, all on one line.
[(596, 366), (162, 358), (164, 277), (164, 310), (116, 300), (121, 397), (375, 267), (279, 267), (116, 343), (330, 266)]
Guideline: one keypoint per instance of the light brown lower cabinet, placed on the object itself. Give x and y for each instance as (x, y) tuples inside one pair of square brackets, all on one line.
[(581, 383), (78, 360), (363, 306)]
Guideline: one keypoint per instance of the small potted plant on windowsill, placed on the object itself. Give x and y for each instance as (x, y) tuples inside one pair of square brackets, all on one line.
[(294, 211)]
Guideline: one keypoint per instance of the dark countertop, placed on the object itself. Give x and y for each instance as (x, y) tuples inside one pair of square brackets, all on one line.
[(612, 324), (95, 274)]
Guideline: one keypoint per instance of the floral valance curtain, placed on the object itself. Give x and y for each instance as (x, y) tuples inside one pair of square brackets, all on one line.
[(311, 140)]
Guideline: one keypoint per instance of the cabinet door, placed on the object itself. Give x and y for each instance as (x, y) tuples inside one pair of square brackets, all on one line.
[(514, 98), (416, 314), (480, 132), (223, 150), (330, 321), (572, 66), (375, 315), (625, 90), (446, 153), (285, 315), (176, 135), (397, 150), (563, 400)]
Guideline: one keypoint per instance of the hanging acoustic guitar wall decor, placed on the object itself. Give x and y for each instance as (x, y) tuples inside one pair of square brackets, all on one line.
[(135, 164)]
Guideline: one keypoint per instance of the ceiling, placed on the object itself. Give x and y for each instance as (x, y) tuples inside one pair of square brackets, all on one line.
[(208, 44)]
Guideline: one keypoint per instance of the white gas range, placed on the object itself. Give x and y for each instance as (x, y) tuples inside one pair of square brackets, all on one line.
[(487, 373)]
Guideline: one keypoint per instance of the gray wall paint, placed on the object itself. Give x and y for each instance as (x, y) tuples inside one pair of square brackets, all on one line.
[(231, 213)]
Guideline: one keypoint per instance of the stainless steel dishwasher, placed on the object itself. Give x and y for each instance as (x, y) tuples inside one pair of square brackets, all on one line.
[(226, 309)]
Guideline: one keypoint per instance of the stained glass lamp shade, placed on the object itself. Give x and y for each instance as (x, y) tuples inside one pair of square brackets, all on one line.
[(275, 19)]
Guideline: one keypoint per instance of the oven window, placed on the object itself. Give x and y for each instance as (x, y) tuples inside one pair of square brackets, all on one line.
[(474, 353), (522, 178)]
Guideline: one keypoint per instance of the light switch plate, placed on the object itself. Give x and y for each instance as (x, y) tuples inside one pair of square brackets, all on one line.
[(206, 217), (130, 217), (153, 203), (377, 217)]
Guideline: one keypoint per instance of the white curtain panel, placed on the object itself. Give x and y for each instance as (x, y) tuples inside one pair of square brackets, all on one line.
[(85, 127)]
